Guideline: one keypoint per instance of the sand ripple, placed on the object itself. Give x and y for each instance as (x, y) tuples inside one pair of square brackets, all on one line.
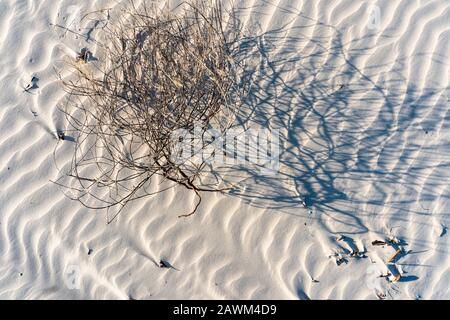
[(365, 123)]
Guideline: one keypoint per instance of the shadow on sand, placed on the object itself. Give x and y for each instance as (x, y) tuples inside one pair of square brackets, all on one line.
[(348, 136)]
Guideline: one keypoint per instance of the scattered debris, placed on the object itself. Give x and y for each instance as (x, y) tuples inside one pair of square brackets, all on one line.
[(314, 280), (85, 55), (396, 241), (395, 275), (33, 84), (354, 250), (397, 278), (444, 231), (61, 135), (164, 264), (394, 256), (357, 254), (381, 295), (340, 260), (378, 243)]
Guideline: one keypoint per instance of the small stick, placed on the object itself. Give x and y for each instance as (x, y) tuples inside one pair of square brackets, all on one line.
[(394, 256), (378, 243)]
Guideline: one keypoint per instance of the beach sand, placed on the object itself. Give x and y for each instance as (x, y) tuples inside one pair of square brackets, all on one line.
[(360, 93)]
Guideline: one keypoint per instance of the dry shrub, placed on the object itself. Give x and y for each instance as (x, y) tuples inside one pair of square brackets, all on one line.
[(158, 72)]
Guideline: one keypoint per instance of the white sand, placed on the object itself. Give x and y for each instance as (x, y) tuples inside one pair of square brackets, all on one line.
[(364, 114)]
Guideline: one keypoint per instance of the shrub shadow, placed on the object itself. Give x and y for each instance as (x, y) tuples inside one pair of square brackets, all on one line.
[(343, 148)]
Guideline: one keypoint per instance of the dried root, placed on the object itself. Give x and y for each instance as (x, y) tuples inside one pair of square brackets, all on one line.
[(158, 73)]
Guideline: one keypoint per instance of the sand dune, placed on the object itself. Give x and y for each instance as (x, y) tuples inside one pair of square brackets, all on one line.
[(363, 112)]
